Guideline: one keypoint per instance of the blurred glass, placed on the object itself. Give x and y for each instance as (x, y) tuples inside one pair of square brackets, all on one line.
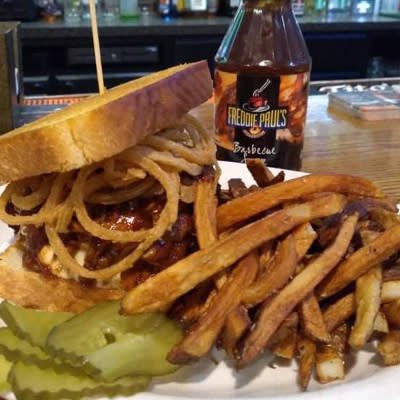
[(390, 6), (72, 10), (315, 7), (145, 14), (339, 6), (85, 13), (110, 9), (129, 9), (375, 68), (362, 7)]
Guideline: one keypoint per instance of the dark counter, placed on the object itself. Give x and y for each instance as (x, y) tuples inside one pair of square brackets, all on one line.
[(191, 27)]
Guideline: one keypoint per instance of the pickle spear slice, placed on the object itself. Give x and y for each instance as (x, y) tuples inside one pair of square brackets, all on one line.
[(31, 325), (30, 382), (5, 367), (112, 345)]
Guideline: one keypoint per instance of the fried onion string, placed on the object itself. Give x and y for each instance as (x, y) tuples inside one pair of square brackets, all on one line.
[(149, 169)]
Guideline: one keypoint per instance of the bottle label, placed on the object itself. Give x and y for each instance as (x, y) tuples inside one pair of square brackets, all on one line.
[(261, 117)]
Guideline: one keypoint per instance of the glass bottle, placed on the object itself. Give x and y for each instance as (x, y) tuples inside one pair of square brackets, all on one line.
[(261, 86), (129, 9), (86, 9)]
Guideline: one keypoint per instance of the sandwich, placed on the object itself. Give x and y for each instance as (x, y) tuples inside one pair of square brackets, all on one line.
[(100, 194)]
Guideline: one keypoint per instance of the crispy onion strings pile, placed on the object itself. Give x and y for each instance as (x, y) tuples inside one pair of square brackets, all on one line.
[(150, 168)]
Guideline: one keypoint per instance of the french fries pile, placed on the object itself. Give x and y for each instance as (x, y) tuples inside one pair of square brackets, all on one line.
[(308, 269)]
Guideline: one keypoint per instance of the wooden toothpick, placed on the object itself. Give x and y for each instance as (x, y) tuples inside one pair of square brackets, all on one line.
[(96, 45)]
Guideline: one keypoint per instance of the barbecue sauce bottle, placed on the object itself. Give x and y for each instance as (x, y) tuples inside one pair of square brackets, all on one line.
[(262, 70)]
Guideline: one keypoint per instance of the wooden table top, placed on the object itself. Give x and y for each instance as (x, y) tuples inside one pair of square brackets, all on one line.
[(335, 142)]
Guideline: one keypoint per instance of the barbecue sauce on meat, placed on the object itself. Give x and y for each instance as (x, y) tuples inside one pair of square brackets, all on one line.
[(262, 71), (134, 215)]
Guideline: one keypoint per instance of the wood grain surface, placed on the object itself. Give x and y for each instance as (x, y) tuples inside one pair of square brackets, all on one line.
[(337, 143)]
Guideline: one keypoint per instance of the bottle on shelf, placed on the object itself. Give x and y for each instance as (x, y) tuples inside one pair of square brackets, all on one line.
[(338, 6), (298, 7), (85, 14), (129, 9), (314, 7), (212, 7), (262, 71), (168, 9), (231, 6), (195, 8)]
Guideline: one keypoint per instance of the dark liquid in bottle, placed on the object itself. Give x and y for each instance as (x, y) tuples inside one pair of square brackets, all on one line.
[(261, 86)]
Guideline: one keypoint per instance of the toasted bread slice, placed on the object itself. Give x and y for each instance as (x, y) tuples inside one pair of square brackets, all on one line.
[(103, 125), (34, 290)]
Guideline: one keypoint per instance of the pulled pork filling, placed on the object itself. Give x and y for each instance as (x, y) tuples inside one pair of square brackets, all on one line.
[(176, 243)]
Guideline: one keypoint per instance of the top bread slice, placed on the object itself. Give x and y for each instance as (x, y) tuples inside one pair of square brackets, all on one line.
[(101, 126)]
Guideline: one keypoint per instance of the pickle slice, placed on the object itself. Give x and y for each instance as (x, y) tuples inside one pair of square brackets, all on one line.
[(138, 354), (112, 345), (30, 382), (31, 325), (5, 367), (15, 349)]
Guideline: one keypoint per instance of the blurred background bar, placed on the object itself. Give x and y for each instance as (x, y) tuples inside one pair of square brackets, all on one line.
[(347, 39), (10, 78)]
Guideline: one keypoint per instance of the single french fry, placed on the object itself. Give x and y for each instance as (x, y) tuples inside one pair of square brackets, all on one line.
[(307, 350), (329, 357), (286, 329), (392, 273), (237, 323), (189, 308), (286, 348), (205, 211), (304, 237), (260, 172), (312, 321), (339, 339), (162, 289), (389, 348), (340, 311), (283, 266), (381, 325), (205, 208), (368, 301), (367, 236), (273, 312), (329, 367), (279, 178), (237, 188), (380, 249), (205, 331), (392, 313), (247, 206), (266, 255), (386, 219), (390, 291)]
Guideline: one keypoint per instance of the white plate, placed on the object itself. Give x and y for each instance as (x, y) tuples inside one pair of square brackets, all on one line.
[(365, 378)]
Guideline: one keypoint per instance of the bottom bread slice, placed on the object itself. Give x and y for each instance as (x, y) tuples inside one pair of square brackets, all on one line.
[(34, 290)]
